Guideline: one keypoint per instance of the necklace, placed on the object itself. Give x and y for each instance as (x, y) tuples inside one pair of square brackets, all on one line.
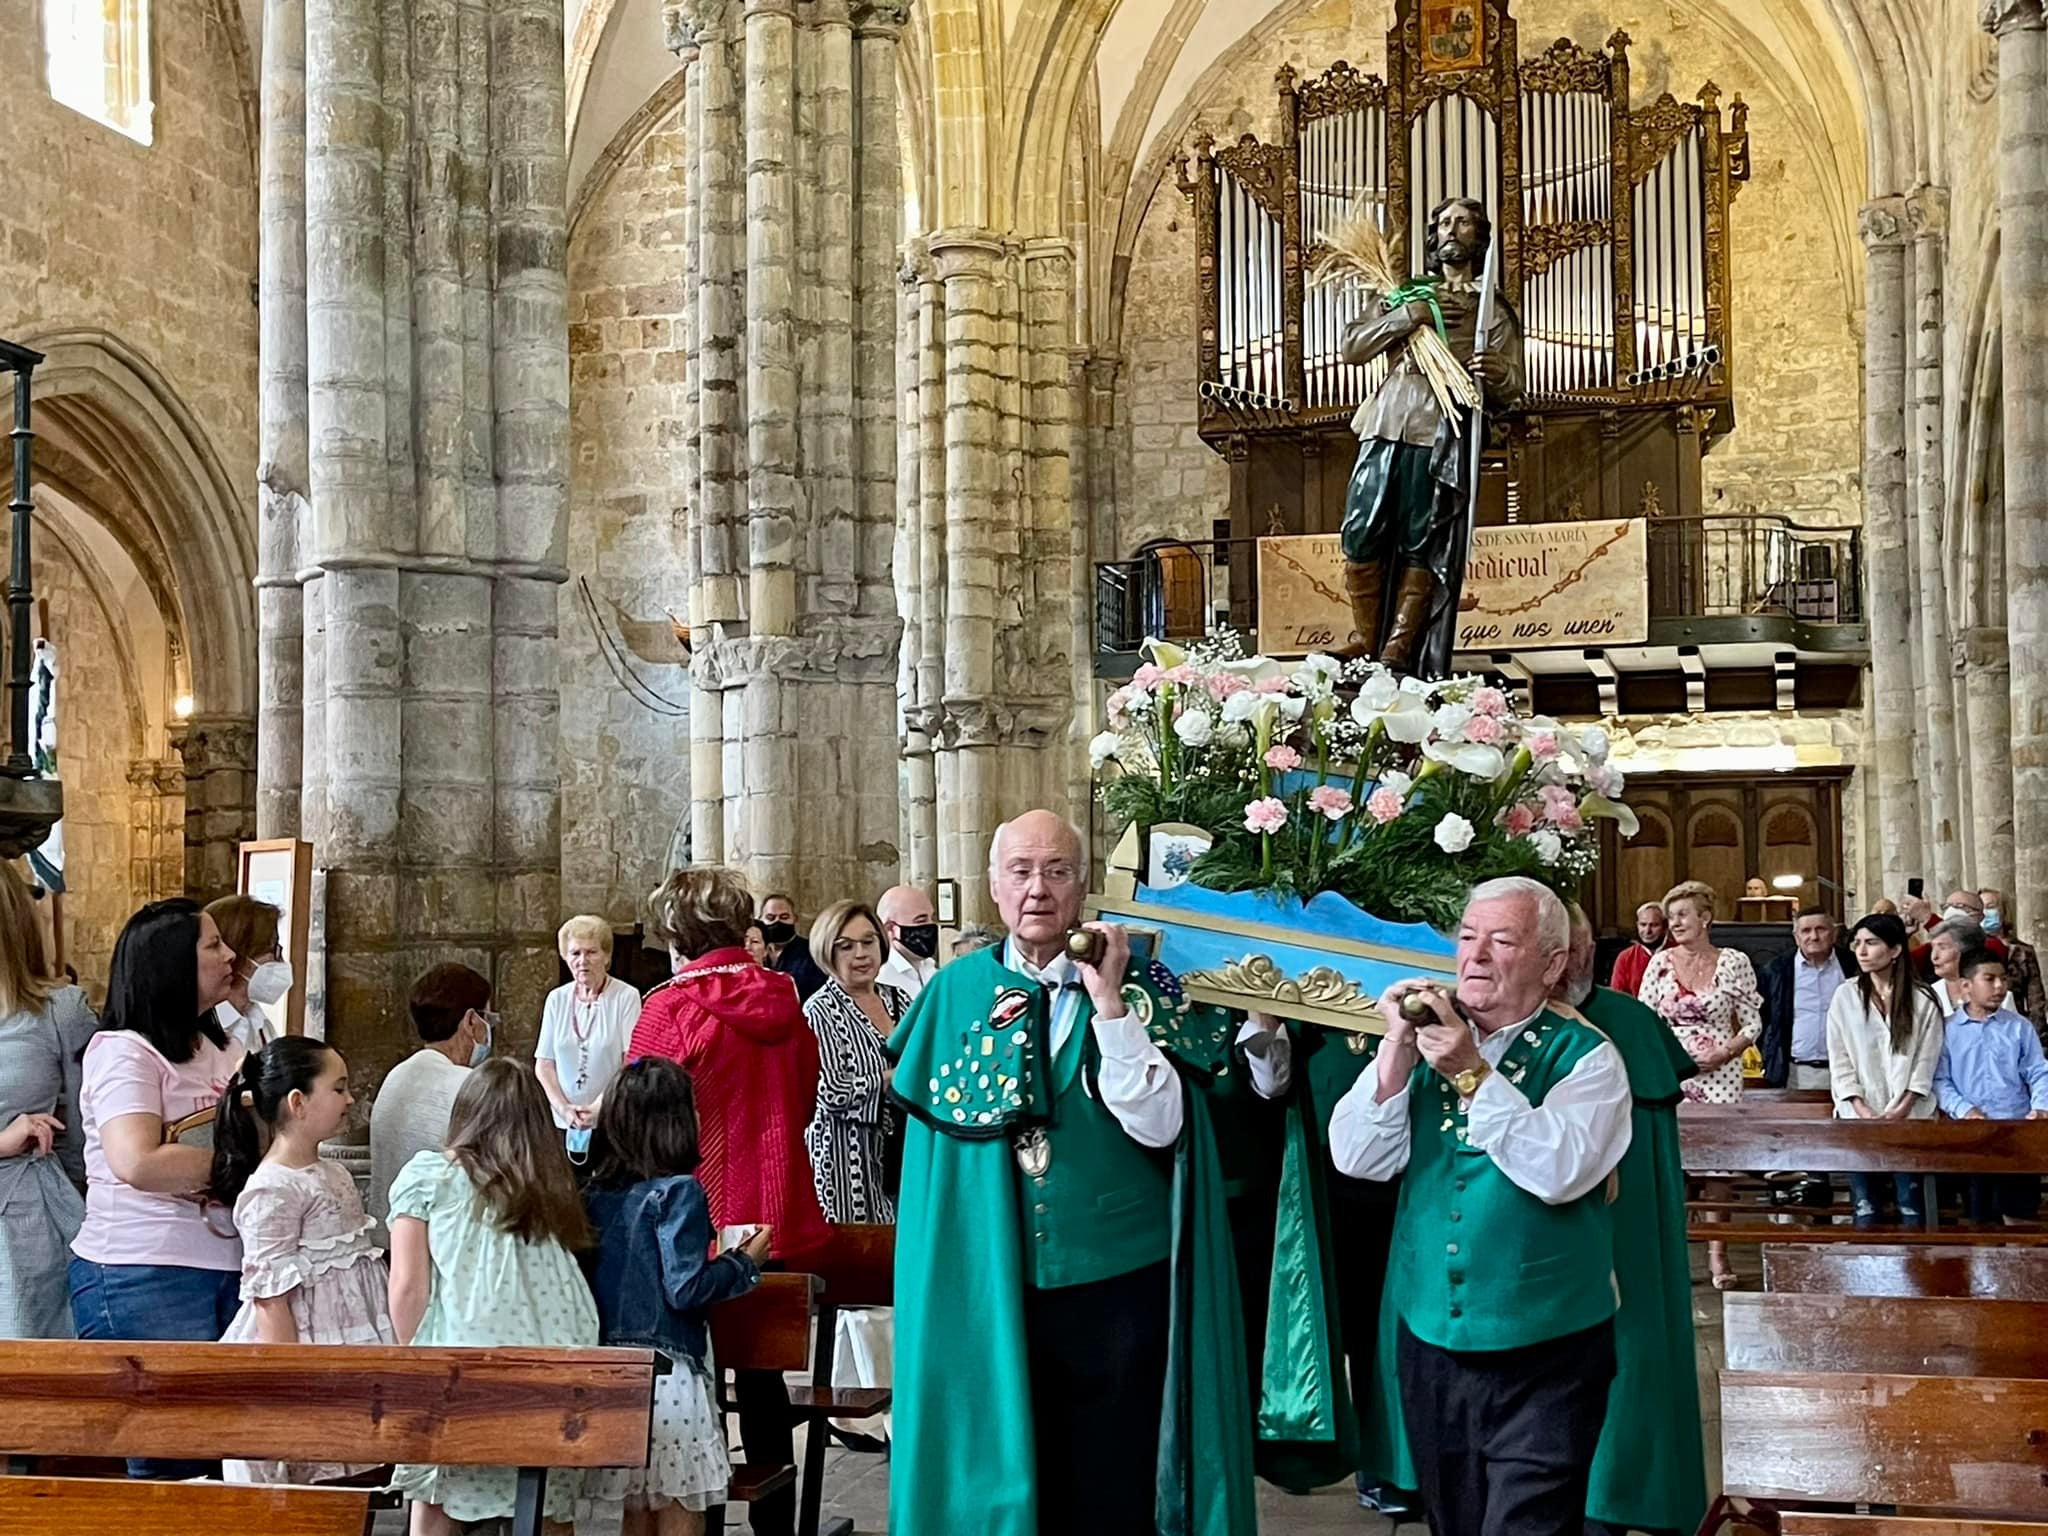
[(582, 1025)]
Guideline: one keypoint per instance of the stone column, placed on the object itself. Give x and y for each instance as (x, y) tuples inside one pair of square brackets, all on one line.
[(1940, 760), (281, 455), (1895, 759), (1987, 682), (435, 415), (2023, 283), (789, 450), (219, 753), (156, 829)]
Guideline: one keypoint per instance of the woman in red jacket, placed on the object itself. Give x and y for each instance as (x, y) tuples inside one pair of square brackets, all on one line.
[(739, 1031)]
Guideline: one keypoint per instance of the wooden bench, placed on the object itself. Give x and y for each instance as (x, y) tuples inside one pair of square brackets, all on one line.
[(1798, 1523), (1871, 1269), (1936, 1405), (768, 1329), (92, 1506), (858, 1269), (530, 1409), (1793, 1140)]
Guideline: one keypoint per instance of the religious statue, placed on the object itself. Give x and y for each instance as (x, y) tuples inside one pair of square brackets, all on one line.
[(1408, 511)]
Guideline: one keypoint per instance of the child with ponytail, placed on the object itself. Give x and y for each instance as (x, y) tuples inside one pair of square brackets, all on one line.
[(310, 1274)]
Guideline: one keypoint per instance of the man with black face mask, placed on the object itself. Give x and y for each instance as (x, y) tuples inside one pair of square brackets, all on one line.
[(906, 913), (788, 952), (1407, 512)]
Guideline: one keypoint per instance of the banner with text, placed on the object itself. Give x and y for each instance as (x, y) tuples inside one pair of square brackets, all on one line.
[(1527, 587)]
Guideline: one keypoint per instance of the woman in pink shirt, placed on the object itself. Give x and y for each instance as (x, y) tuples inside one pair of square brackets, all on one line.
[(153, 1260)]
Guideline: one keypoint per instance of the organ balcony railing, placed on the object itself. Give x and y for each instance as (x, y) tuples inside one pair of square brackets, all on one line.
[(1754, 565)]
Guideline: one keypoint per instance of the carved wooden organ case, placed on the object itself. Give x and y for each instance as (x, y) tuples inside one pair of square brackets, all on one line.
[(1611, 223)]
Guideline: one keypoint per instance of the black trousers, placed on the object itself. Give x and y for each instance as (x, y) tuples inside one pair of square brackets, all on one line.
[(1503, 1440), (1098, 1378), (768, 1436)]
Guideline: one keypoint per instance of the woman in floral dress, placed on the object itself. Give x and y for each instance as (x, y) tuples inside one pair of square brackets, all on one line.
[(1708, 995)]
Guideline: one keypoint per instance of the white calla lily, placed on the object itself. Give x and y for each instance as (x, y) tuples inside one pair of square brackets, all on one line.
[(1253, 669), (1103, 748), (1382, 701), (1471, 758), (1600, 808), (1163, 654)]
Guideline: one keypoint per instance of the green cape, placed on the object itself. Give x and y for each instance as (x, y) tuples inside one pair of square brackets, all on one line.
[(1650, 1470), (963, 1454)]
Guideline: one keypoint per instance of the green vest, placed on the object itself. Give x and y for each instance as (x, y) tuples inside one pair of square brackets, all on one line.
[(1479, 1263), (1103, 1207)]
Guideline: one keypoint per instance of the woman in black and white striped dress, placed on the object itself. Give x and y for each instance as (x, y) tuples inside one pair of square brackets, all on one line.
[(850, 1135)]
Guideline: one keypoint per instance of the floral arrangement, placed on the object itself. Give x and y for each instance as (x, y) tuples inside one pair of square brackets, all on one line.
[(1399, 796)]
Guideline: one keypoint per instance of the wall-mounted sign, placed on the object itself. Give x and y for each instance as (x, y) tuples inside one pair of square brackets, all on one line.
[(1530, 586)]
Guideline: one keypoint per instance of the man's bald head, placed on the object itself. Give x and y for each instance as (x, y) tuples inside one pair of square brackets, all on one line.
[(1038, 873), (904, 906)]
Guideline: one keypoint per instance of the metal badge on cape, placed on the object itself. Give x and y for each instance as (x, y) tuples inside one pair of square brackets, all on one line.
[(1033, 1147)]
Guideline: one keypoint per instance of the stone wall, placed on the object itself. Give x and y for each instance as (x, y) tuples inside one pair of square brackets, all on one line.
[(625, 755), (154, 243), (1797, 443)]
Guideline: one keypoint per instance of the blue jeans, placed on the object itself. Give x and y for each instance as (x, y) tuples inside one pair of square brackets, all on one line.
[(1867, 1189), (154, 1301)]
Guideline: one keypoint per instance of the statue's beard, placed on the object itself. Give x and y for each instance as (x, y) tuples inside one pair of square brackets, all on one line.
[(1453, 252)]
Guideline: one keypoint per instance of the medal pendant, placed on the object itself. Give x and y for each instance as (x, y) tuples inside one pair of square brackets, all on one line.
[(1034, 1152)]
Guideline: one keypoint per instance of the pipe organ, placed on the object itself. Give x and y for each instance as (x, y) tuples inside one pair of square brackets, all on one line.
[(1611, 222)]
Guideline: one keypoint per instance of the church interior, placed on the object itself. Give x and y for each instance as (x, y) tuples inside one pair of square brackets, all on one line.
[(510, 453)]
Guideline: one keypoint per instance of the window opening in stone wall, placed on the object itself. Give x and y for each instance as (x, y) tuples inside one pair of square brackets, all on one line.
[(98, 53)]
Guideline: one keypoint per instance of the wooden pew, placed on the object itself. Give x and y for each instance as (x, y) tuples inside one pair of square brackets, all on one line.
[(1860, 1269), (1796, 1142), (1793, 1331), (92, 1506), (530, 1409), (768, 1329), (1931, 1405), (1939, 1443), (1797, 1523), (858, 1270)]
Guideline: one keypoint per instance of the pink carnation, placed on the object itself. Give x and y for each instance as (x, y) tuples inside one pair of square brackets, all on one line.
[(1268, 815), (1383, 805), (1556, 798), (1274, 685), (1333, 802), (1489, 701), (1543, 746), (1485, 730), (1147, 676), (1183, 676), (1283, 759), (1518, 821), (1222, 685), (1568, 819)]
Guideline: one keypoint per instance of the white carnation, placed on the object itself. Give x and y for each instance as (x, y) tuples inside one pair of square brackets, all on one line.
[(1241, 706), (1453, 833), (1548, 845), (1593, 741), (1103, 748), (1194, 728), (1399, 782)]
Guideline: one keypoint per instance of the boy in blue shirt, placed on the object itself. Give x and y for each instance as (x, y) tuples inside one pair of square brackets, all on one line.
[(1992, 1068)]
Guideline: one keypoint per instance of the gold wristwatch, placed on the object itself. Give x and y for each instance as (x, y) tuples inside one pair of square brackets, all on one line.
[(1467, 1082)]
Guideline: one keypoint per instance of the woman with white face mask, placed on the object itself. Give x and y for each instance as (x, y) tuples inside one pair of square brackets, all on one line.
[(263, 977)]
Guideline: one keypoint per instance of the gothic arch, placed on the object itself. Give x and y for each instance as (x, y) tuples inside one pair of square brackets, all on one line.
[(100, 403)]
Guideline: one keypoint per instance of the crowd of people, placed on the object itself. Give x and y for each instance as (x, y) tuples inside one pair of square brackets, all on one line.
[(1914, 1012), (1085, 1293)]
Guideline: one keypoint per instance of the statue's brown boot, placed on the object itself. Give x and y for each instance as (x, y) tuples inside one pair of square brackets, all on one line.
[(1362, 585), (1411, 612)]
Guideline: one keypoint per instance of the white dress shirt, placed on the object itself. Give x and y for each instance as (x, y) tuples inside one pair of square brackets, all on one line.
[(1557, 1150), (1813, 988), (1136, 1082), (251, 1031), (1270, 1056), (906, 973)]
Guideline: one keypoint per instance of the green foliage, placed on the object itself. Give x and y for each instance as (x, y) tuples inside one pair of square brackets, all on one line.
[(1214, 805)]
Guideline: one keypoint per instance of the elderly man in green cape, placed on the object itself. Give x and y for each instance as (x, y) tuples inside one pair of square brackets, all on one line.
[(1505, 1117), (1650, 1474), (1069, 1345)]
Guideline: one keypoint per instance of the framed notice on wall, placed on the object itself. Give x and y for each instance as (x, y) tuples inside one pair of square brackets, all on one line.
[(280, 871)]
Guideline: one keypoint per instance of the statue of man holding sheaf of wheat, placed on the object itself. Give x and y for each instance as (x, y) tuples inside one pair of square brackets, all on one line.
[(1408, 511)]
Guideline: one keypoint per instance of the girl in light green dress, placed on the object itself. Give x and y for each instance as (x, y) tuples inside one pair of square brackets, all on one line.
[(483, 1240)]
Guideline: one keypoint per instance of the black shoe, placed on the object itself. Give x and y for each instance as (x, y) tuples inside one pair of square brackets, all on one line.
[(867, 1445), (1381, 1499)]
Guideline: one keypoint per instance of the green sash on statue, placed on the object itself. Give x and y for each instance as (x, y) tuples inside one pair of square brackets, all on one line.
[(969, 1074)]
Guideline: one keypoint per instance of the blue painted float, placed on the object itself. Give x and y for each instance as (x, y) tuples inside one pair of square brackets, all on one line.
[(1324, 961)]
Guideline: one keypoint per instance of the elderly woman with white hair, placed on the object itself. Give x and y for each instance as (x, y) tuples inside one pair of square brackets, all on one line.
[(584, 1029)]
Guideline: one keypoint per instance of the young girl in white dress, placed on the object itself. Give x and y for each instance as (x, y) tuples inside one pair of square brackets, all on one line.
[(310, 1274)]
